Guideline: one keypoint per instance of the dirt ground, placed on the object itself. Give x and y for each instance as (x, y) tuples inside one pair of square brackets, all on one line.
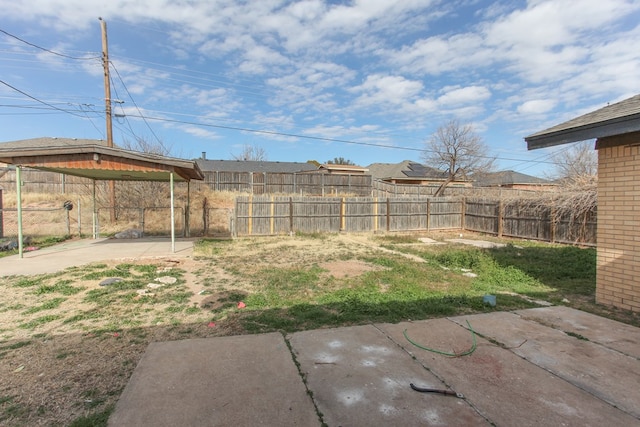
[(57, 372)]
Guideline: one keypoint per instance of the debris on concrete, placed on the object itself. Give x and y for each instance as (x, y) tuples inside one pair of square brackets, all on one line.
[(132, 233), (539, 302), (110, 281)]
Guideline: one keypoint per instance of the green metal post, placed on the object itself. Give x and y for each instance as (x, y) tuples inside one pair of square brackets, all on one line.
[(19, 202), (173, 226)]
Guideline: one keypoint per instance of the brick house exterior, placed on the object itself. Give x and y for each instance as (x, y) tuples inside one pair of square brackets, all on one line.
[(616, 129)]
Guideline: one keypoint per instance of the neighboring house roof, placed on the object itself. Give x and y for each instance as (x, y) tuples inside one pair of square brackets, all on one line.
[(92, 158), (343, 168), (406, 170), (508, 178), (615, 119), (253, 166)]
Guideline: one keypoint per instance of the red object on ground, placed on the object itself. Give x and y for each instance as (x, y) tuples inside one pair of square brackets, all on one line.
[(212, 324), (241, 305)]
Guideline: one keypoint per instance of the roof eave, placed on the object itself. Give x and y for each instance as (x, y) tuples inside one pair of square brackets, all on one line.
[(617, 126)]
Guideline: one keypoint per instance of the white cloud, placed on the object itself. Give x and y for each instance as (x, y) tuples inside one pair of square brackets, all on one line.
[(379, 90), (464, 95), (536, 106)]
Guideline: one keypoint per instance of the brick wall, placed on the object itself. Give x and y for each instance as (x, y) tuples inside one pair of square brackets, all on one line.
[(618, 277)]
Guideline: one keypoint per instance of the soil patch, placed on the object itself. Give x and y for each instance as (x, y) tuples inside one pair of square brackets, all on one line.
[(351, 268)]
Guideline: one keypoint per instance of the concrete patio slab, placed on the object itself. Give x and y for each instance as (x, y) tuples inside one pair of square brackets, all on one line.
[(611, 334), (522, 373), (600, 371), (227, 381), (79, 252), (359, 377), (503, 387)]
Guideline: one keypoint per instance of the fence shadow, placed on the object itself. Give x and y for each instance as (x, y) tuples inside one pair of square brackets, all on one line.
[(568, 269)]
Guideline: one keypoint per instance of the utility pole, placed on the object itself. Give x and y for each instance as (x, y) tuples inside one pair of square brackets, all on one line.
[(107, 100)]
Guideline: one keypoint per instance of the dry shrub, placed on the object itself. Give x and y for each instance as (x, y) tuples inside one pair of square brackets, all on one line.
[(574, 203)]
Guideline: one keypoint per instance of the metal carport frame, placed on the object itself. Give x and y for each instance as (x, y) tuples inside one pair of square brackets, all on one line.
[(90, 158)]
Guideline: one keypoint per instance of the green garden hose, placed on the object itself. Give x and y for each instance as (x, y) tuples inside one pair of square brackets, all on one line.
[(444, 353)]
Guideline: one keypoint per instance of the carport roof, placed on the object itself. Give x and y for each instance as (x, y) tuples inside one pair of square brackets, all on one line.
[(92, 158), (616, 119)]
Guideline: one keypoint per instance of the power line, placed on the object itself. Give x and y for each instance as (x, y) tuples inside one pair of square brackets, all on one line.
[(40, 101), (48, 50), (317, 138), (137, 108)]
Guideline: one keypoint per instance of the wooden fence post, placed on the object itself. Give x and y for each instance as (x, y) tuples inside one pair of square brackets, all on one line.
[(552, 224), (500, 218), (388, 214), (428, 213), (290, 214), (271, 218), (342, 213), (375, 214), (463, 212), (250, 220)]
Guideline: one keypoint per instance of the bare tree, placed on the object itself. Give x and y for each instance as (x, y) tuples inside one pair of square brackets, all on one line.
[(251, 152), (143, 194), (340, 161), (577, 164), (456, 149)]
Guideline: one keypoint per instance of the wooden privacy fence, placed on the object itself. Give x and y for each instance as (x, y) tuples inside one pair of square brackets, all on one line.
[(529, 220), (268, 215), (317, 184), (271, 215)]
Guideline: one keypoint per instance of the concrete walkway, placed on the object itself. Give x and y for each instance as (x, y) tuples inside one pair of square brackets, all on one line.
[(543, 366), (79, 252)]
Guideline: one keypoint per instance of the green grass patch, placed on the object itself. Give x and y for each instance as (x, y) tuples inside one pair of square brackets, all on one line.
[(61, 287), (299, 298), (97, 419), (15, 345), (47, 305), (42, 320), (9, 409), (27, 282), (578, 336), (85, 315)]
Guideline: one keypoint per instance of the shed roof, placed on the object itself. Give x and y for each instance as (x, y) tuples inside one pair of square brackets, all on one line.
[(92, 158), (253, 166), (615, 119)]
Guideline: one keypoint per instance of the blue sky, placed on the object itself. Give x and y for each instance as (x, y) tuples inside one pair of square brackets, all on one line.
[(367, 80)]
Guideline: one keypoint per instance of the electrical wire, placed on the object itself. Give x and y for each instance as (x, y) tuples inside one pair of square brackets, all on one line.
[(137, 108), (315, 138), (48, 50), (38, 100)]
